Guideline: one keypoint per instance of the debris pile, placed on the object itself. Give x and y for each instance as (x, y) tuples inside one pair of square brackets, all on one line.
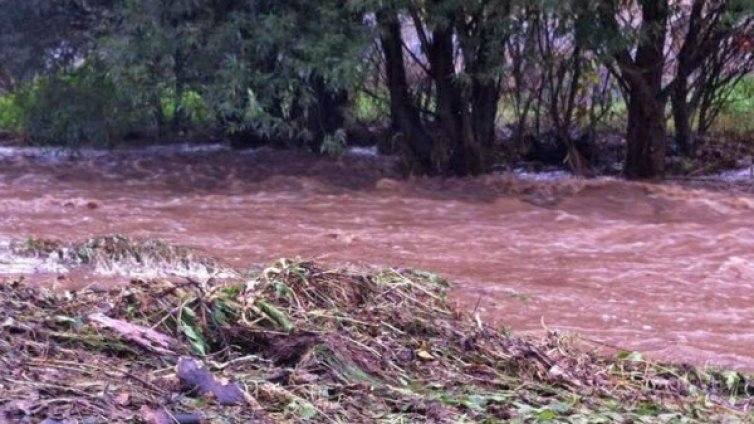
[(298, 343), (120, 255)]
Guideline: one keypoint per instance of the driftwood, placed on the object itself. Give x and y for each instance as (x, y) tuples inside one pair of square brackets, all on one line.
[(145, 337), (196, 377)]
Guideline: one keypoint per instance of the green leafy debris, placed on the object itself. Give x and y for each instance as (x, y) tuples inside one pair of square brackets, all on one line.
[(314, 345)]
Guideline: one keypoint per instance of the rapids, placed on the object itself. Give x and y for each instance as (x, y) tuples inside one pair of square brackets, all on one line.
[(667, 269)]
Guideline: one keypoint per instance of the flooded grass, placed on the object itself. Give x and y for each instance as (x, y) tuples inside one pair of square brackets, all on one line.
[(299, 343)]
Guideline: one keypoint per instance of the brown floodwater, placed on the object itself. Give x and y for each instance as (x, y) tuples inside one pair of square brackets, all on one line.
[(662, 269)]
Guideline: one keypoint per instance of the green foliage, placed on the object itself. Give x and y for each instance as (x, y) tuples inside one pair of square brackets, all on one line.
[(741, 99), (82, 106), (11, 114), (191, 106), (280, 61), (334, 144), (192, 331), (153, 48), (48, 36), (369, 109), (269, 71), (261, 68), (737, 114)]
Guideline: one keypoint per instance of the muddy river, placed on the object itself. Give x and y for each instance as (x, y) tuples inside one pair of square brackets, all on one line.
[(667, 270)]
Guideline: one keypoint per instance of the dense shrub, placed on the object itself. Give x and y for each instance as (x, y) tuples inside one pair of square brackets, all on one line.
[(11, 114), (82, 106), (737, 114)]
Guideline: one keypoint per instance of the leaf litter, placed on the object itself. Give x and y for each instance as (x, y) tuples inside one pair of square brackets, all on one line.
[(299, 343)]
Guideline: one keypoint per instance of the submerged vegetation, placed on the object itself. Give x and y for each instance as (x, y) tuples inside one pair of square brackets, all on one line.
[(121, 255), (299, 343)]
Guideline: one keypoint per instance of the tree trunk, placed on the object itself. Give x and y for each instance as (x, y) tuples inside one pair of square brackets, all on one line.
[(463, 131), (156, 100), (466, 113), (646, 132), (485, 95), (326, 116), (646, 137), (159, 116), (449, 156), (704, 117), (684, 136), (689, 54), (180, 91), (416, 145)]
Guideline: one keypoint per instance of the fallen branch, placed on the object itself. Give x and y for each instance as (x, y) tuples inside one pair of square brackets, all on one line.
[(194, 375), (145, 337)]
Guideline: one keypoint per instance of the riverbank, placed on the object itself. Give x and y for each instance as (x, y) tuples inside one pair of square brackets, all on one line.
[(299, 343)]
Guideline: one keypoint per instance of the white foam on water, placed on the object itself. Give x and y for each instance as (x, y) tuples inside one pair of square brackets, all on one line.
[(14, 264), (736, 175), (156, 269), (358, 151), (184, 148), (60, 154), (50, 154), (552, 175)]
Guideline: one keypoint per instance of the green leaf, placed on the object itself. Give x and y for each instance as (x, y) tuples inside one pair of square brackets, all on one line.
[(648, 408), (193, 333), (277, 316), (630, 356), (197, 342), (732, 379), (307, 412), (547, 415), (62, 319)]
